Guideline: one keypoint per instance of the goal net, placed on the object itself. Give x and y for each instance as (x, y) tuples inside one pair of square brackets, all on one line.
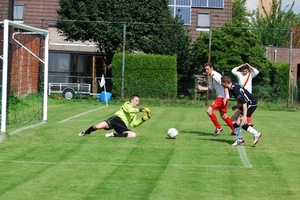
[(24, 78)]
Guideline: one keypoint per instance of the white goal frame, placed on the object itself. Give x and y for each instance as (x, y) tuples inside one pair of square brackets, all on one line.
[(6, 25)]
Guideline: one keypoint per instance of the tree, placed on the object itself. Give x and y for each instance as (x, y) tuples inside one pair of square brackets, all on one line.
[(296, 30), (273, 27), (231, 46), (240, 15), (149, 27)]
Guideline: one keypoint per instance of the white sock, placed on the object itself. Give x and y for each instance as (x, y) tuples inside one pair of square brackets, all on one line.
[(238, 133), (252, 130)]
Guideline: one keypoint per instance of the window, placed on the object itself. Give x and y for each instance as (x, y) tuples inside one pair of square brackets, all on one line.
[(198, 3), (208, 3), (19, 13), (182, 12), (203, 20), (182, 8)]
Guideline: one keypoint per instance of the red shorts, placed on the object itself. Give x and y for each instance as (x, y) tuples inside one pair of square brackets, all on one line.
[(218, 104)]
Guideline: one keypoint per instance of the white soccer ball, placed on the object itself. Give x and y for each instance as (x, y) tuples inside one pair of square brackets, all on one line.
[(172, 133)]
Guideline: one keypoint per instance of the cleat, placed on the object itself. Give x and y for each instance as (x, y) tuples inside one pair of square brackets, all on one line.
[(109, 134), (238, 142), (256, 138), (233, 133), (217, 132), (81, 133)]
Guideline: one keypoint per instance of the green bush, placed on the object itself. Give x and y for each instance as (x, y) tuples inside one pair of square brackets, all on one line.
[(280, 80), (148, 75), (272, 85)]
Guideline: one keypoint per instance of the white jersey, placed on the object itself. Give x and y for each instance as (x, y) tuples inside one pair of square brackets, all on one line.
[(245, 80), (214, 83)]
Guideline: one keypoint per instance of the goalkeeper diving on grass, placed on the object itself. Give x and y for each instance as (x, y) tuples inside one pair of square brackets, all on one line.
[(127, 115)]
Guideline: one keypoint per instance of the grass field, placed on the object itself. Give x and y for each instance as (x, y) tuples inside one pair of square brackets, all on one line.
[(49, 161)]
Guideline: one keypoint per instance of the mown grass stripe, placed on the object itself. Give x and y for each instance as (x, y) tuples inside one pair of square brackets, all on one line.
[(119, 164)]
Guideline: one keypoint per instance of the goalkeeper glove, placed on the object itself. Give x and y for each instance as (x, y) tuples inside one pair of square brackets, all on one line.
[(146, 116), (147, 110)]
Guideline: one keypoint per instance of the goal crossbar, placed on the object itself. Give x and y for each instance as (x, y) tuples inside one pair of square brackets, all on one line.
[(6, 24)]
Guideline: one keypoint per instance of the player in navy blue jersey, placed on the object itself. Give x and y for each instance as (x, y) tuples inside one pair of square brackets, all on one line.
[(246, 105)]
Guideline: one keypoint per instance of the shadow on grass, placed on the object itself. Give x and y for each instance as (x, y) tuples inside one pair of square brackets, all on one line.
[(216, 139), (197, 132)]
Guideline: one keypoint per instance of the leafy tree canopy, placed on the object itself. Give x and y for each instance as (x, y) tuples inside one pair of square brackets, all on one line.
[(273, 26), (149, 26), (240, 15), (230, 47)]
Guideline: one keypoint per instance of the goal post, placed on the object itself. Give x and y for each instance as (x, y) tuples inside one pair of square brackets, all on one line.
[(8, 26)]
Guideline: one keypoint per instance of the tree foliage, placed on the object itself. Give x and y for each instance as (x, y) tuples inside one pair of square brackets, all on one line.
[(273, 26), (232, 45), (148, 27), (240, 15)]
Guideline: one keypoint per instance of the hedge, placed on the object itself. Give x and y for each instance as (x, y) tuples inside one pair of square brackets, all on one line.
[(148, 75)]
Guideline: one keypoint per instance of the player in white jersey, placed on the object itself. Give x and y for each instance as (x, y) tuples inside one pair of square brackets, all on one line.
[(245, 79), (221, 101)]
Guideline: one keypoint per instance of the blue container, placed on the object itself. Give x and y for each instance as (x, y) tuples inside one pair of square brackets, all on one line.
[(101, 97)]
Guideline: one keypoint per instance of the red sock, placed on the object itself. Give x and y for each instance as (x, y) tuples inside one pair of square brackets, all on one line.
[(214, 119), (229, 123), (249, 120)]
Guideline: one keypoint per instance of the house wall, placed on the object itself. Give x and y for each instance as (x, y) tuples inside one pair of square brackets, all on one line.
[(282, 54), (267, 4), (37, 12), (25, 68), (218, 17), (25, 72)]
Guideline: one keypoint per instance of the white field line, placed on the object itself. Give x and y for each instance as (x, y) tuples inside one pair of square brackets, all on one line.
[(243, 156), (2, 135), (241, 149), (26, 127), (118, 164), (67, 119)]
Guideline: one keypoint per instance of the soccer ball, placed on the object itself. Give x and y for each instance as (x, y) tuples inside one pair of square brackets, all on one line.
[(172, 133)]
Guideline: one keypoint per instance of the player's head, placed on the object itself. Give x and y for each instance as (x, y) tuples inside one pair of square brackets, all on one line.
[(226, 81), (209, 67), (245, 69), (134, 100)]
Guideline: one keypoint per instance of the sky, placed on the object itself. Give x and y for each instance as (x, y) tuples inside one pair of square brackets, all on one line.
[(296, 7)]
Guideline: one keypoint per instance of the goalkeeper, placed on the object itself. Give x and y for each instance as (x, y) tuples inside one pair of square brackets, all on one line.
[(127, 115)]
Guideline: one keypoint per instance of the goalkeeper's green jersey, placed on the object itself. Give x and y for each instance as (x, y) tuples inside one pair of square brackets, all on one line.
[(128, 115)]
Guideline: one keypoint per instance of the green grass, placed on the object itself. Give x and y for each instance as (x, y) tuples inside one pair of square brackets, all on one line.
[(50, 161)]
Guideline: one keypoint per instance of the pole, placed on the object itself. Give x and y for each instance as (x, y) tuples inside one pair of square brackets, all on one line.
[(209, 55), (4, 75), (46, 81), (123, 60), (290, 69)]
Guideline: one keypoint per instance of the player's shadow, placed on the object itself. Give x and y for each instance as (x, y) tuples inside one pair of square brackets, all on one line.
[(196, 132), (218, 139), (215, 139)]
